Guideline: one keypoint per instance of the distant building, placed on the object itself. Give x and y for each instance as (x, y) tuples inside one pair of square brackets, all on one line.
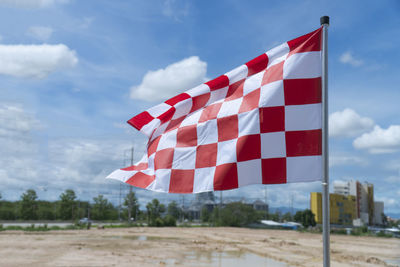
[(342, 208), (360, 195), (202, 200), (345, 188), (378, 212)]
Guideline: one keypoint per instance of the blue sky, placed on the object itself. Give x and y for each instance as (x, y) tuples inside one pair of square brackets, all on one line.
[(72, 72)]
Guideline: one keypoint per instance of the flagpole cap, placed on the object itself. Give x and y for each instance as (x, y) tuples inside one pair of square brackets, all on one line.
[(324, 20)]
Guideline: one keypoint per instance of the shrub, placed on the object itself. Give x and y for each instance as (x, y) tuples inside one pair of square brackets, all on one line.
[(169, 221)]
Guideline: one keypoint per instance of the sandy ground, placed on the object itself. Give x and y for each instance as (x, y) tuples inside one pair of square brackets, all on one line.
[(170, 246)]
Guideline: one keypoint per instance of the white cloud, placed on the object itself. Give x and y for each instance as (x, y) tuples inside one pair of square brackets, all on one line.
[(35, 61), (40, 32), (347, 58), (58, 164), (15, 122), (175, 78), (348, 123), (82, 164), (31, 3), (19, 158), (346, 161), (379, 140)]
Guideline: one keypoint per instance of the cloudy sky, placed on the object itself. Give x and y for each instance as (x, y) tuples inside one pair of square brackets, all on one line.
[(73, 72)]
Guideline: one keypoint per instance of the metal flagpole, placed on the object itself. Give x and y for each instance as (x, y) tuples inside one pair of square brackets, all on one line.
[(325, 148)]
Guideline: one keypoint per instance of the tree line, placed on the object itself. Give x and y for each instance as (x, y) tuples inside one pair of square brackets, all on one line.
[(69, 208), (238, 214)]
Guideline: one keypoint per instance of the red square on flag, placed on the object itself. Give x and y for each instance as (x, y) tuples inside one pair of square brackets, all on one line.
[(199, 101), (218, 83), (272, 119), (163, 159), (303, 143), (258, 64), (186, 136), (152, 147), (181, 181), (248, 147), (302, 91), (250, 101), (174, 124), (206, 155), (210, 112), (235, 91), (141, 180), (273, 73), (228, 128), (226, 177), (273, 171), (140, 120)]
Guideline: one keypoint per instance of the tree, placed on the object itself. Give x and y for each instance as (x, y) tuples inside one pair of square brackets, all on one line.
[(8, 210), (67, 203), (305, 217), (275, 216), (132, 205), (236, 214), (205, 215), (28, 204), (46, 210), (154, 210), (102, 209), (173, 210)]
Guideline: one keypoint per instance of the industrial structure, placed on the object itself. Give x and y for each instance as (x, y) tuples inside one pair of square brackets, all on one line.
[(352, 203)]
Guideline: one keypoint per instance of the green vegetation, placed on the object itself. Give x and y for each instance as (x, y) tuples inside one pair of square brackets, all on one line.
[(67, 208), (235, 214), (41, 228), (70, 208), (155, 211), (28, 206), (305, 217), (131, 206), (103, 209)]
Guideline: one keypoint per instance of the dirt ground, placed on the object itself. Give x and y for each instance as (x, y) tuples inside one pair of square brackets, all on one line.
[(170, 246)]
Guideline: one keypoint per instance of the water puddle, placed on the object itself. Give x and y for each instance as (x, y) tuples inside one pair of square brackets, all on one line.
[(140, 237), (395, 262), (199, 258), (225, 259)]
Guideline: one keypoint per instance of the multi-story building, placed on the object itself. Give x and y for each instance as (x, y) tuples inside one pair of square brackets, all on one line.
[(378, 212), (342, 208), (363, 194)]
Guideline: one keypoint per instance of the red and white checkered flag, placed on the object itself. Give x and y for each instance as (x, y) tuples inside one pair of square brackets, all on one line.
[(257, 124)]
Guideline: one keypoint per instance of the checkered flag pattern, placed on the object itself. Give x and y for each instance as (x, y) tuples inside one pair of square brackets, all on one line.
[(257, 124)]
